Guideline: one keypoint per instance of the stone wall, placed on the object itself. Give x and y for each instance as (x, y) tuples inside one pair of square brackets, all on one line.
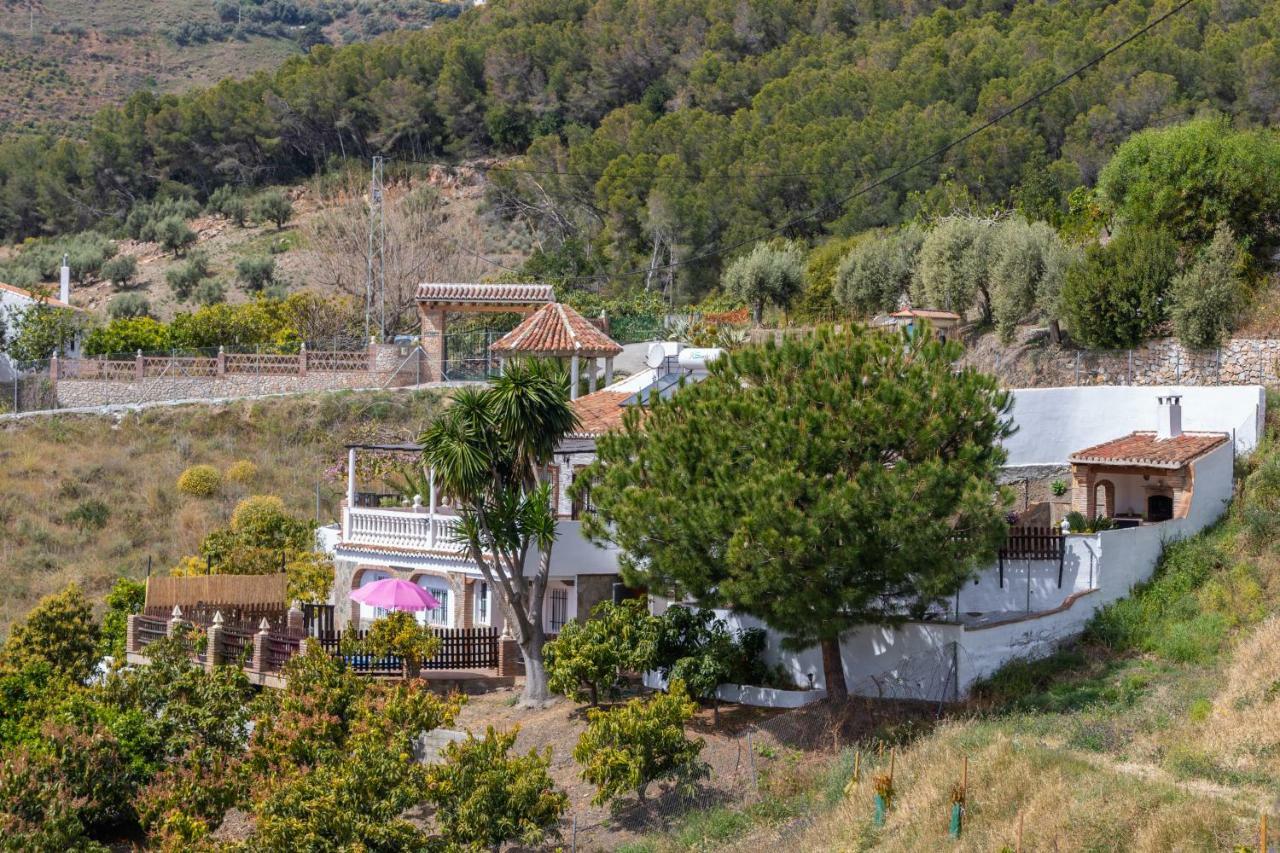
[(390, 366), (1240, 361)]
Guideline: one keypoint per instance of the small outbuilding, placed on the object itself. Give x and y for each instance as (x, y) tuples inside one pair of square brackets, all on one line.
[(1143, 477), (942, 322), (558, 331)]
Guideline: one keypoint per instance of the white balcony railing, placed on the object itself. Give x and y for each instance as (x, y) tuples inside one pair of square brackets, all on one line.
[(397, 528)]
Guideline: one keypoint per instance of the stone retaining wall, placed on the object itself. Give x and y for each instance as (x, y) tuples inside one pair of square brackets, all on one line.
[(1240, 361)]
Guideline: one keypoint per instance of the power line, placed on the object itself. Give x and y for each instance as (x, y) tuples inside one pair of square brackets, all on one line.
[(525, 170), (838, 204)]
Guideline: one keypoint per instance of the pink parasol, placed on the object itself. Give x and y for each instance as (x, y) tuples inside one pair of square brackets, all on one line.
[(395, 594)]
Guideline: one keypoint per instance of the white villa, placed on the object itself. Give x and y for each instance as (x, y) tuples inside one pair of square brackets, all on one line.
[(1159, 467)]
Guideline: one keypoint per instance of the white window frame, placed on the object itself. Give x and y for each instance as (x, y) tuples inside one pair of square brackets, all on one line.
[(443, 592)]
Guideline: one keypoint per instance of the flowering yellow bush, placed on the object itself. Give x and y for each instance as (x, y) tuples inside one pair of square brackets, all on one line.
[(200, 481), (242, 472)]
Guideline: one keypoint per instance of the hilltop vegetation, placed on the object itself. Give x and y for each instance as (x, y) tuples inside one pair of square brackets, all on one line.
[(683, 124), (62, 60), (91, 498)]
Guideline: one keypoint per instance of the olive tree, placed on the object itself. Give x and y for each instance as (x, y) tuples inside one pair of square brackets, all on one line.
[(1029, 263), (876, 272), (766, 275), (1208, 296), (955, 265)]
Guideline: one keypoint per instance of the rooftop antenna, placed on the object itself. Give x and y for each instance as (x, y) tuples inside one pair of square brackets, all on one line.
[(375, 274)]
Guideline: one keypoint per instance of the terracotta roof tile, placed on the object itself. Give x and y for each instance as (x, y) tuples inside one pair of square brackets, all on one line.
[(50, 300), (486, 294), (1143, 448), (599, 412), (927, 313), (556, 329)]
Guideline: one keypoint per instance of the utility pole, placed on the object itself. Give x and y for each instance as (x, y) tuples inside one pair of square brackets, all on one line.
[(376, 273)]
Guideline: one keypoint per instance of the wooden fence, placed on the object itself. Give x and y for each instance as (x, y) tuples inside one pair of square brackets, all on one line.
[(1033, 543), (216, 591)]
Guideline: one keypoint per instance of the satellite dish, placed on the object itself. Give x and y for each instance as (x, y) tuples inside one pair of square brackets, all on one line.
[(658, 354)]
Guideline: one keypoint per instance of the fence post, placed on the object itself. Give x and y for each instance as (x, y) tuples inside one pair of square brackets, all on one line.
[(131, 635), (213, 647), (294, 622), (139, 369), (260, 640), (175, 622), (222, 362), (55, 367), (302, 359)]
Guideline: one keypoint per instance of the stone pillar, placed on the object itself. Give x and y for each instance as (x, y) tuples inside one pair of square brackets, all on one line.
[(509, 662), (591, 375), (302, 359), (222, 362), (55, 371), (294, 623), (131, 634), (175, 622), (213, 650), (259, 662), (608, 371), (433, 329), (139, 367), (573, 377), (458, 600)]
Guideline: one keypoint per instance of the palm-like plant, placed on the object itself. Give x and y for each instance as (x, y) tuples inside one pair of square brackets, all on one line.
[(487, 449)]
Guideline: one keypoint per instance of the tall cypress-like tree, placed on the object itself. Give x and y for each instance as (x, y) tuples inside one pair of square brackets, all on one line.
[(820, 484)]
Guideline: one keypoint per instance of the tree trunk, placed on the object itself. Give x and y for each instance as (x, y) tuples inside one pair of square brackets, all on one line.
[(536, 691), (1055, 332), (833, 670)]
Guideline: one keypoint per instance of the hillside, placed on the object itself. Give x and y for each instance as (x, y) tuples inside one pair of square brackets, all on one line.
[(63, 60), (89, 498)]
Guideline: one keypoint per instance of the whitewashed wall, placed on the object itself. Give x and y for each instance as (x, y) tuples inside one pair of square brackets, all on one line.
[(1053, 423)]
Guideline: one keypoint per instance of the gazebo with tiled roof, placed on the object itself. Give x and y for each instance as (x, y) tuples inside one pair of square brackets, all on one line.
[(436, 300), (558, 331)]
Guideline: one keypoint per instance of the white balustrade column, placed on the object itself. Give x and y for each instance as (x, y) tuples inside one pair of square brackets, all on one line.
[(431, 522), (591, 375), (573, 377), (351, 490), (608, 371)]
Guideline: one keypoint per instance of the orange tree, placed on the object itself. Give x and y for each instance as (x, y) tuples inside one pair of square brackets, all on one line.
[(821, 484)]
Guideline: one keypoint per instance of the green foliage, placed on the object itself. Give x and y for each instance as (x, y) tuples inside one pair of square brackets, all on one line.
[(174, 235), (59, 631), (787, 443), (128, 306), (589, 658), (954, 267), (1059, 487), (767, 275), (272, 206), (1117, 296), (200, 481), (37, 811), (230, 202), (1080, 523), (819, 300), (399, 633), (485, 797), (90, 514), (186, 277), (38, 330), (145, 218), (125, 598), (120, 270), (126, 335), (1188, 179), (256, 272), (187, 800), (1029, 265), (40, 260), (628, 748), (210, 291), (242, 472), (878, 271), (698, 649), (1209, 296)]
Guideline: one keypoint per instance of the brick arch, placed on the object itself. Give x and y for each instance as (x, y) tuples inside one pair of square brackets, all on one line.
[(358, 580), (1108, 507), (445, 580)]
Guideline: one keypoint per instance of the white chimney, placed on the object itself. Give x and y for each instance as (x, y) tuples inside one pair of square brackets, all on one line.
[(1169, 417), (64, 283)]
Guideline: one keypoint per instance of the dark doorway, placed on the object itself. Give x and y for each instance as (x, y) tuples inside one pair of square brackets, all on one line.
[(1159, 508)]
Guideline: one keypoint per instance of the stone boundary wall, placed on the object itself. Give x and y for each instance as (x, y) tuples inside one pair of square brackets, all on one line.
[(389, 366), (1239, 361)]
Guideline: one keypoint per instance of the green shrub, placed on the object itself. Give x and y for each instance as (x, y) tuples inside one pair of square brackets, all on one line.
[(174, 235), (484, 797), (272, 206), (766, 275), (200, 481), (210, 291), (256, 272), (875, 274), (128, 335), (1209, 296), (145, 218), (126, 598), (1058, 487), (1118, 295), (229, 202), (186, 277), (628, 748), (128, 305), (399, 633), (120, 270), (60, 632), (89, 515), (589, 658)]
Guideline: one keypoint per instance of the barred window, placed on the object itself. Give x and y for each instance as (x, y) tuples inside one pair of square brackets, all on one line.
[(559, 608)]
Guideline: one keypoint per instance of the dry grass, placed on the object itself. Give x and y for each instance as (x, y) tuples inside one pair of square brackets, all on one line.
[(1064, 801), (125, 471), (1243, 729)]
